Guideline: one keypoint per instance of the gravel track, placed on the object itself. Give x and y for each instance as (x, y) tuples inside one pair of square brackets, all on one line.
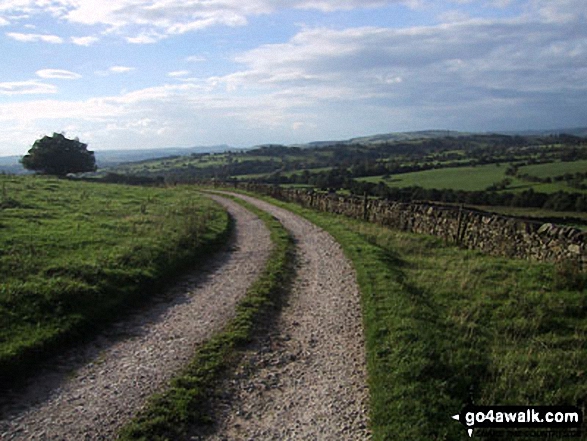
[(90, 392), (307, 378)]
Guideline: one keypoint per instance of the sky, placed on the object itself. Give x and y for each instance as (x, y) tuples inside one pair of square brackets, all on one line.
[(134, 74)]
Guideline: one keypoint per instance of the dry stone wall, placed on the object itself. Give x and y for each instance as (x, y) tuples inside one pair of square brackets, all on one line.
[(493, 234)]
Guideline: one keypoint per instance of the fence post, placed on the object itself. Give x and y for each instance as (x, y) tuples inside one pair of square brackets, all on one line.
[(365, 212)]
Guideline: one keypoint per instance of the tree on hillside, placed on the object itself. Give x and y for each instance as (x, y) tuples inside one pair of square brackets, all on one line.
[(58, 155)]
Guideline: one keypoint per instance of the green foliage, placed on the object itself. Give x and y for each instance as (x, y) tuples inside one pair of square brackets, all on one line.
[(73, 254), (170, 415), (58, 155), (441, 322)]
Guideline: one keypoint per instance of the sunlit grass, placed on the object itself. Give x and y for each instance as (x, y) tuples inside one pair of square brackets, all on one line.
[(72, 254), (442, 323)]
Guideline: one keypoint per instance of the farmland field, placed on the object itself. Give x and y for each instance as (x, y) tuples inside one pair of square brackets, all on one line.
[(477, 178), (457, 178), (72, 254), (554, 168)]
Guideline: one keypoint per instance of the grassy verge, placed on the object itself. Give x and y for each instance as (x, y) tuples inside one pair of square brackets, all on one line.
[(442, 323), (186, 403), (73, 255)]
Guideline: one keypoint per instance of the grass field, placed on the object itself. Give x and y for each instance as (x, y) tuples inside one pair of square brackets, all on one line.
[(441, 323), (554, 169), (73, 254), (459, 178), (471, 179)]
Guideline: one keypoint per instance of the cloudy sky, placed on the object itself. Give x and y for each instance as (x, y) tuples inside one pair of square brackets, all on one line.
[(160, 73)]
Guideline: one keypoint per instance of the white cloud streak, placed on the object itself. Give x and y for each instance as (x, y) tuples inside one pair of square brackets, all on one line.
[(84, 41), (58, 74), (148, 21), (120, 69), (33, 38), (31, 87), (178, 73)]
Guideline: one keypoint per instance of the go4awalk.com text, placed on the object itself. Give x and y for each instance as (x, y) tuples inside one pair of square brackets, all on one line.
[(535, 420)]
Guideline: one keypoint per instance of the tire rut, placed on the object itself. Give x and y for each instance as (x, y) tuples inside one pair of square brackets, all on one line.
[(90, 392), (307, 378)]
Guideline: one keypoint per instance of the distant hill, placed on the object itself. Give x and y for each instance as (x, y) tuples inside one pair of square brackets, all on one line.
[(387, 137), (11, 165), (110, 158), (577, 131), (429, 134)]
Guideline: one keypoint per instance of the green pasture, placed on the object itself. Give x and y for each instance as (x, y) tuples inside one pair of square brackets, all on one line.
[(477, 178), (553, 169), (73, 254), (457, 178)]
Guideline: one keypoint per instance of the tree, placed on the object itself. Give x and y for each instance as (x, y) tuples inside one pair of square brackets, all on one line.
[(57, 155)]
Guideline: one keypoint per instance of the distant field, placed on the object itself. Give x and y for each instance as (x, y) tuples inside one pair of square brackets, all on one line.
[(250, 176), (554, 169), (72, 254), (458, 178), (310, 170), (476, 178)]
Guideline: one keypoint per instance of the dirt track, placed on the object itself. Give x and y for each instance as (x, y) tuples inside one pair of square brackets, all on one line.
[(90, 393), (307, 379)]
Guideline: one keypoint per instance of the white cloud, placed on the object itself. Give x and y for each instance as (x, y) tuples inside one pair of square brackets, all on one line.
[(84, 41), (560, 11), (4, 22), (148, 21), (178, 73), (146, 38), (120, 69), (503, 73), (31, 87), (30, 38), (330, 6), (58, 74), (114, 70)]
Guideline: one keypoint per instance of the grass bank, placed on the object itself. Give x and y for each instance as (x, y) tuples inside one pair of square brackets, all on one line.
[(442, 324), (73, 255), (186, 403)]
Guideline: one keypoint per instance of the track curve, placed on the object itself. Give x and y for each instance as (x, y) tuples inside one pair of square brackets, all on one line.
[(307, 379), (92, 391)]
